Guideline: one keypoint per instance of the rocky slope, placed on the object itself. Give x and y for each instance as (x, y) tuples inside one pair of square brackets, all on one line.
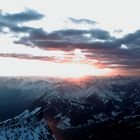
[(27, 126)]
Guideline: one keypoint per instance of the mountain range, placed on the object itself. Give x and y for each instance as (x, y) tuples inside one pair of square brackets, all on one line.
[(95, 108)]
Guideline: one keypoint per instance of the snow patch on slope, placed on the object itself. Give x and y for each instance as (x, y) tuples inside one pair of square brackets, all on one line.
[(27, 126)]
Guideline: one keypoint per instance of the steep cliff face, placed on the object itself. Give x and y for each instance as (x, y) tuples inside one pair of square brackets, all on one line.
[(26, 126)]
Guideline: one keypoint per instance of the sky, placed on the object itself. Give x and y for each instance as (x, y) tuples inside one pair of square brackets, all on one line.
[(69, 38)]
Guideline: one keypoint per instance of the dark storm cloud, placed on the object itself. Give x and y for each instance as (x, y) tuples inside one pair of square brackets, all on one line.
[(82, 21), (98, 43), (64, 38), (132, 39), (13, 21)]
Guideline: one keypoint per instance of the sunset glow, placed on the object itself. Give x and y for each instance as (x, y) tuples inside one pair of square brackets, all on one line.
[(56, 64), (68, 43), (75, 69), (72, 67)]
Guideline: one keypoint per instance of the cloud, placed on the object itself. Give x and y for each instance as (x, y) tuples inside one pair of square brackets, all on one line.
[(13, 21), (27, 56), (98, 44), (67, 39), (131, 39), (25, 16), (82, 21)]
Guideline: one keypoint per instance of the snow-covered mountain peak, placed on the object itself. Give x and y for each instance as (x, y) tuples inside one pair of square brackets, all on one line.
[(27, 126)]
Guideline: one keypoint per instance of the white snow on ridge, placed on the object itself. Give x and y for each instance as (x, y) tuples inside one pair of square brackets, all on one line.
[(27, 126), (34, 88)]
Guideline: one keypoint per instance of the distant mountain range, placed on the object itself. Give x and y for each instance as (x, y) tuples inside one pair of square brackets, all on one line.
[(97, 108)]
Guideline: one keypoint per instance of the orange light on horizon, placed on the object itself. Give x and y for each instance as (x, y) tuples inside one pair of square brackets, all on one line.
[(16, 67)]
